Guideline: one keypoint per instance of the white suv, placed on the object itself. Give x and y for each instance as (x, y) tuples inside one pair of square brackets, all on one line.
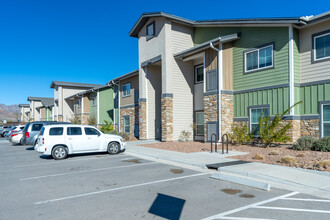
[(60, 140)]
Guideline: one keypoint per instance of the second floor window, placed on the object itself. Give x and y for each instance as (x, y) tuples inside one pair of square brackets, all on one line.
[(321, 46), (258, 59), (79, 103), (150, 30), (199, 76), (126, 89)]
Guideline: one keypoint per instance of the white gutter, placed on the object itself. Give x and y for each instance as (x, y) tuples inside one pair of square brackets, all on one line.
[(291, 69), (219, 83), (146, 85), (118, 106), (98, 106), (82, 109)]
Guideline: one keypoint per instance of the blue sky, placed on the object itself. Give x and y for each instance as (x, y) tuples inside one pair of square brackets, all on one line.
[(87, 41)]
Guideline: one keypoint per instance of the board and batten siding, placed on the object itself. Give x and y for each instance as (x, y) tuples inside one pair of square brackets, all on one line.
[(252, 37), (107, 102), (93, 108), (132, 99), (312, 71), (182, 80)]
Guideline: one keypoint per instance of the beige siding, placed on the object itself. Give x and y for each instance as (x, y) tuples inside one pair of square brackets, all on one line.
[(42, 113), (312, 71), (227, 62), (86, 104), (154, 101), (182, 37), (129, 100)]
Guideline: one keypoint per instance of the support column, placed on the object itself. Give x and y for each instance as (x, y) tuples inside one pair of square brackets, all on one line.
[(167, 116), (142, 119)]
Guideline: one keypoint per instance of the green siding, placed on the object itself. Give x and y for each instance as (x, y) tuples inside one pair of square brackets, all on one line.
[(107, 105), (92, 109), (276, 98), (252, 37), (296, 56), (311, 96)]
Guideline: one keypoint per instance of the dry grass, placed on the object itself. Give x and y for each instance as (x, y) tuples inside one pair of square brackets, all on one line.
[(288, 160), (301, 155), (274, 152), (324, 163), (259, 157)]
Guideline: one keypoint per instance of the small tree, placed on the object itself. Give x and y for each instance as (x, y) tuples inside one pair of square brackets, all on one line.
[(107, 127), (270, 131), (75, 120), (240, 134)]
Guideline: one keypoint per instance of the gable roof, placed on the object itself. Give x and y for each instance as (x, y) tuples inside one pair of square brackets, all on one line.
[(276, 20), (47, 102), (24, 105), (74, 84), (125, 76)]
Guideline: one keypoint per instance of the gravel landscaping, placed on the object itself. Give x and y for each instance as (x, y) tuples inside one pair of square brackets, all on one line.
[(282, 155)]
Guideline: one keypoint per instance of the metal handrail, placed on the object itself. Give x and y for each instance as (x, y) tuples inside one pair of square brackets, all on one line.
[(215, 141), (223, 142)]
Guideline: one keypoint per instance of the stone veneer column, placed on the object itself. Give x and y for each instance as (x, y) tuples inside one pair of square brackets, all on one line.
[(142, 119), (227, 112), (60, 118), (167, 117), (210, 111)]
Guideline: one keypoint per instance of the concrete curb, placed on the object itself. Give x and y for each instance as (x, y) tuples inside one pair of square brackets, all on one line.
[(241, 180)]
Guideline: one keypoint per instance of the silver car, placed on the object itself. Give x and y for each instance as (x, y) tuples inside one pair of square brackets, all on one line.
[(5, 128)]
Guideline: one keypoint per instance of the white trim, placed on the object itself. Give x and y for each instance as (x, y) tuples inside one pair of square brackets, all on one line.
[(220, 72), (192, 57), (204, 74), (126, 90), (259, 68), (291, 69), (118, 106), (98, 106), (82, 109), (314, 42), (195, 73), (322, 121), (146, 85)]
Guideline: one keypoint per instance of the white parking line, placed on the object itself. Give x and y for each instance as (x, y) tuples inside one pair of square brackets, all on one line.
[(249, 206), (119, 188), (85, 171), (238, 218), (67, 160), (307, 200), (291, 209)]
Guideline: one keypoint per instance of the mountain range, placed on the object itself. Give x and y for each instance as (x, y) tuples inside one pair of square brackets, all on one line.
[(9, 112)]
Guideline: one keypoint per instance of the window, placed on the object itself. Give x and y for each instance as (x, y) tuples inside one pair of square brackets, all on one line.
[(37, 127), (258, 59), (126, 124), (211, 80), (255, 113), (321, 46), (199, 123), (79, 103), (126, 89), (91, 131), (74, 131), (199, 73), (41, 133), (325, 119), (150, 30), (93, 100), (56, 131)]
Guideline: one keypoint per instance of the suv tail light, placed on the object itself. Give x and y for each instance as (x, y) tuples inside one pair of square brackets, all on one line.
[(27, 134), (43, 140), (13, 135)]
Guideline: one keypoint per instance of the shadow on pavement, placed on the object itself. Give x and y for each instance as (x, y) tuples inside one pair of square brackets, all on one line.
[(167, 207), (29, 148)]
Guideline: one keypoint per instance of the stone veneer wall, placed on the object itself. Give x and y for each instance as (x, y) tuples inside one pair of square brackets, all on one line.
[(167, 118), (210, 111), (142, 119), (133, 113), (85, 118), (227, 113)]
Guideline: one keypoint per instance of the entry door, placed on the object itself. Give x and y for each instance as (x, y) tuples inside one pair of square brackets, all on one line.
[(76, 139), (92, 139)]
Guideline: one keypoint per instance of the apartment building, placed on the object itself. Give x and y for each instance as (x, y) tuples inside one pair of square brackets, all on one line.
[(38, 106), (25, 112)]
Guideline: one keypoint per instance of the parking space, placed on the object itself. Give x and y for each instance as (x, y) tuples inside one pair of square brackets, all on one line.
[(103, 186)]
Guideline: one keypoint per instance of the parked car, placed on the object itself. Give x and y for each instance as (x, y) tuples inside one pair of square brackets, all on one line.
[(32, 130), (16, 137), (14, 129), (59, 141), (4, 129)]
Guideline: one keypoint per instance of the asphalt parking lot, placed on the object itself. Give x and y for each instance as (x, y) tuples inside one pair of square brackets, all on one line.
[(103, 186)]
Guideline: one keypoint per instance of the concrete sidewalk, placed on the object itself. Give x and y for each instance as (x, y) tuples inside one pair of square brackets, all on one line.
[(306, 181)]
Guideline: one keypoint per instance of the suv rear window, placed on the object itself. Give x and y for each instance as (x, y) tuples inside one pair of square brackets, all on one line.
[(56, 131), (74, 131), (36, 127), (42, 131)]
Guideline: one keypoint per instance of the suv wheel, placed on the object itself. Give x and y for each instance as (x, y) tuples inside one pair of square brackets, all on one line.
[(59, 153), (113, 148)]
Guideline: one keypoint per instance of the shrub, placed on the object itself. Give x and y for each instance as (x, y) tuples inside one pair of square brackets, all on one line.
[(271, 130), (304, 143), (324, 163), (240, 134), (274, 153), (107, 127), (185, 135), (301, 155), (258, 157), (322, 145), (288, 160), (91, 121), (75, 120), (124, 135)]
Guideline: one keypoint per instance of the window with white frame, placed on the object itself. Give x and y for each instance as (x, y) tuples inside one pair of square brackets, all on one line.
[(79, 103), (321, 46), (254, 116), (325, 119), (126, 124), (93, 100), (200, 123), (199, 73), (259, 58), (126, 89), (150, 30)]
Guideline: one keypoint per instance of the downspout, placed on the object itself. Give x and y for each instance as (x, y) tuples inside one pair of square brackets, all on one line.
[(219, 83), (118, 89), (98, 106), (291, 69), (82, 109)]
